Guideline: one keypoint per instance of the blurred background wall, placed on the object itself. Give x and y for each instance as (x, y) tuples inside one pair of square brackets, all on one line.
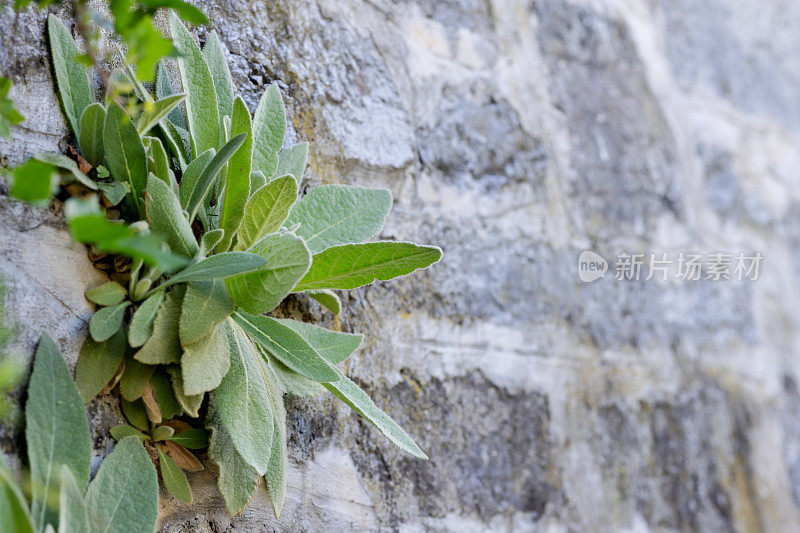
[(515, 134)]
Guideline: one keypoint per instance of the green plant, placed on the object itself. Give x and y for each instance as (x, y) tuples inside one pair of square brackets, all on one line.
[(214, 237), (123, 496)]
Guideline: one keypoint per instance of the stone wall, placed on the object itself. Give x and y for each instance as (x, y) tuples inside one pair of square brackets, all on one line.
[(515, 134)]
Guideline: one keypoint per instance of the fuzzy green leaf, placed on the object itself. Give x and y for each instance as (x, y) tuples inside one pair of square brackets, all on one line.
[(125, 155), (56, 429), (192, 173), (174, 478), (223, 84), (190, 404), (210, 239), (287, 261), (135, 414), (269, 127), (98, 363), (257, 180), (237, 185), (107, 321), (165, 395), (91, 137), (201, 106), (162, 433), (357, 399), (287, 346), (65, 163), (163, 346), (237, 480), (327, 299), (124, 430), (155, 111), (209, 175), (353, 265), (164, 89), (278, 464), (141, 325), (166, 218), (334, 346), (243, 402), (292, 161), (134, 379), (73, 514), (34, 182), (207, 303), (110, 293), (194, 439), (293, 383), (222, 265), (266, 210), (13, 507), (338, 214), (73, 82), (158, 162), (114, 191), (9, 114), (206, 361), (123, 497)]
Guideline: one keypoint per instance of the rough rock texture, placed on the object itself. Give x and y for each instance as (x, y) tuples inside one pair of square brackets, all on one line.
[(515, 134)]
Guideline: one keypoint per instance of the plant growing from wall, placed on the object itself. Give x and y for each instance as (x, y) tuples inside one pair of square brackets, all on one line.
[(123, 496), (210, 237)]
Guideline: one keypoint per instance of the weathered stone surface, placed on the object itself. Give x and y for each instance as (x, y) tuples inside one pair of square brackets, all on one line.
[(515, 134)]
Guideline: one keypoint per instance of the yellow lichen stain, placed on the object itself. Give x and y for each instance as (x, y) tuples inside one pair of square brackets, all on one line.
[(745, 509), (413, 383)]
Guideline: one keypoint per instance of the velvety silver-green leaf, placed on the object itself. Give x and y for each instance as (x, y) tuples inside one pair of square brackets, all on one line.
[(110, 293), (123, 496), (292, 161), (206, 361), (269, 127), (328, 299), (243, 403), (174, 478), (294, 383), (210, 239), (160, 162), (162, 433), (97, 363), (357, 399), (134, 379), (141, 325), (164, 89), (192, 173), (56, 429), (257, 180), (222, 265), (135, 414), (73, 82), (285, 344), (339, 214), (208, 177), (166, 218), (190, 404), (201, 106), (73, 515), (237, 480), (165, 395), (91, 137), (107, 321), (287, 261), (194, 439), (266, 210), (223, 84), (13, 507), (65, 163), (278, 464), (334, 346), (155, 111), (353, 265), (114, 191), (124, 430), (164, 346), (206, 304), (237, 184), (125, 155)]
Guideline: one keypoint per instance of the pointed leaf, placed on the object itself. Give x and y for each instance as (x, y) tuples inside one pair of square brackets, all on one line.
[(134, 379), (155, 111), (158, 163), (107, 321), (293, 383), (73, 82), (243, 402), (278, 464), (165, 216), (223, 85), (120, 432), (141, 325), (135, 414), (162, 433), (338, 214), (13, 507), (206, 361), (237, 185), (91, 137), (257, 180), (210, 239), (287, 261), (334, 346), (287, 346), (164, 89), (194, 439), (190, 404), (328, 299), (269, 127), (206, 304), (125, 155), (98, 363), (65, 163), (353, 265), (266, 210), (114, 191), (124, 494), (73, 515), (174, 478), (163, 346), (237, 480), (209, 175), (164, 394), (110, 293), (192, 173), (56, 429), (292, 161), (357, 399), (201, 106), (222, 265), (185, 459)]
